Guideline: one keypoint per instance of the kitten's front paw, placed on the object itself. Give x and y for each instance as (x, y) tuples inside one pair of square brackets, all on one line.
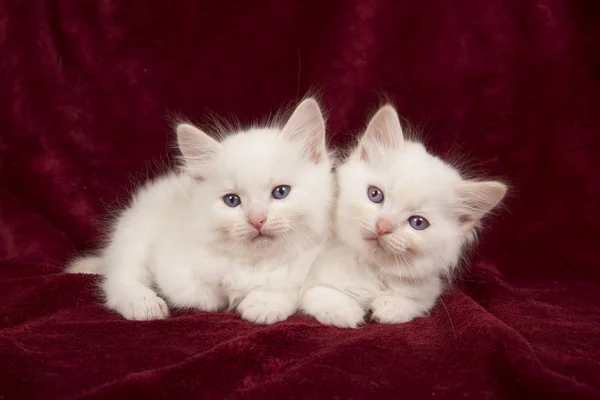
[(143, 309), (351, 316), (332, 307), (394, 310), (265, 307)]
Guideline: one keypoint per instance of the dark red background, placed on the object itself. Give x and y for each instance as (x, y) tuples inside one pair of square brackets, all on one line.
[(88, 89)]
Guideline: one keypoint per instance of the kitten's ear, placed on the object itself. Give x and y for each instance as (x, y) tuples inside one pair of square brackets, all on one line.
[(197, 147), (384, 132), (306, 125), (477, 199)]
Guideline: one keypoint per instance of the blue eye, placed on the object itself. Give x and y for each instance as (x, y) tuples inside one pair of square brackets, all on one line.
[(232, 200), (375, 194), (418, 223), (280, 192)]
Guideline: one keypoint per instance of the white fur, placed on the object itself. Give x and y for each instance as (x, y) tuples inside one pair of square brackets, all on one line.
[(180, 238), (85, 265), (400, 276)]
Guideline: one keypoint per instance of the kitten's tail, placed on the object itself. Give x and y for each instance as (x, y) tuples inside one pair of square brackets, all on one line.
[(85, 265)]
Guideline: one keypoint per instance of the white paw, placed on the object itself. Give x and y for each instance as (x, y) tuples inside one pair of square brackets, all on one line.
[(143, 309), (332, 307), (351, 316), (394, 310), (265, 308)]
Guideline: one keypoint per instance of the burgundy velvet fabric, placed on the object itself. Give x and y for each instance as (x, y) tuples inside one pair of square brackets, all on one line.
[(88, 90)]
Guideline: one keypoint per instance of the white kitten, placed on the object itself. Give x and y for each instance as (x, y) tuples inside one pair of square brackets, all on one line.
[(403, 217), (239, 225)]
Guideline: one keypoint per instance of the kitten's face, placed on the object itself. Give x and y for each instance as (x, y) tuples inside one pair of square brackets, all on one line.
[(267, 191), (398, 204)]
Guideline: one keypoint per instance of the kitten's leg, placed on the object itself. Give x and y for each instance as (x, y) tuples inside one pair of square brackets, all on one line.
[(183, 289), (332, 307), (406, 304), (268, 306), (276, 295), (133, 299), (127, 283)]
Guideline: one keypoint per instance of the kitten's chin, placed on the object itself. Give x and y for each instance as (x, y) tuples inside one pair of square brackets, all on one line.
[(267, 243), (262, 239), (383, 252), (373, 243), (262, 242), (375, 248)]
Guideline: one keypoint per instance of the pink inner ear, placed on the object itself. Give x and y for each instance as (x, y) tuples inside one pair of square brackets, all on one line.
[(316, 156), (313, 153), (465, 219), (364, 155), (387, 138)]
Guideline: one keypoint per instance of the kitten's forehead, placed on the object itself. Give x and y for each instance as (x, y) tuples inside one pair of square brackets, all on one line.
[(257, 158), (414, 163), (413, 176)]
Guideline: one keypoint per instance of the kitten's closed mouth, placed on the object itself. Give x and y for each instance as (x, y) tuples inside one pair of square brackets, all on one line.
[(373, 241), (260, 237)]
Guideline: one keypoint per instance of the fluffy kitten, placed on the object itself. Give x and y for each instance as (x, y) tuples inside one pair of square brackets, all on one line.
[(403, 217), (240, 224)]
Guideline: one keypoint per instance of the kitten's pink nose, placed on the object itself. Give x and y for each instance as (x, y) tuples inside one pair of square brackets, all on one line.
[(384, 226), (257, 219)]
